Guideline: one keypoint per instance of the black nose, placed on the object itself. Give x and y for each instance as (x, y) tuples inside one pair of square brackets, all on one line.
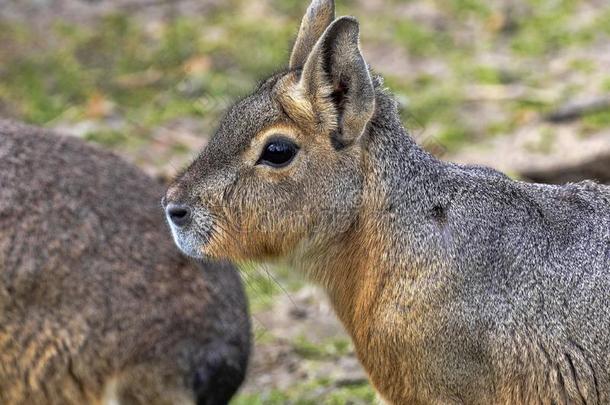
[(179, 214), (218, 380)]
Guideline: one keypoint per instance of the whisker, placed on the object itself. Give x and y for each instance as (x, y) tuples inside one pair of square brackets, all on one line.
[(264, 267)]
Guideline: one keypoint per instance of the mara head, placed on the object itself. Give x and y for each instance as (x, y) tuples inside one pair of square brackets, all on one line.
[(285, 168)]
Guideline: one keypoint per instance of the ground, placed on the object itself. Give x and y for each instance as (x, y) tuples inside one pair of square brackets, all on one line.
[(518, 85)]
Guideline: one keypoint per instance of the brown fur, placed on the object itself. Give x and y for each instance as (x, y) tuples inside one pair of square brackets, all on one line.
[(96, 304)]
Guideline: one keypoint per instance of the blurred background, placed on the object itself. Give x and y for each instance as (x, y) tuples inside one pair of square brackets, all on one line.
[(520, 85)]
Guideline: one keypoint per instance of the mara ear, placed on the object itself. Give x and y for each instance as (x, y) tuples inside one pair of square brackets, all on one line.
[(319, 15), (335, 72)]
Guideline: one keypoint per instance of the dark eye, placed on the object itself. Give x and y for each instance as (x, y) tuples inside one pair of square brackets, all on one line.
[(278, 153)]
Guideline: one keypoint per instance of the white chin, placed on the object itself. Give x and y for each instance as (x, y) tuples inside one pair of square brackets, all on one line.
[(187, 244)]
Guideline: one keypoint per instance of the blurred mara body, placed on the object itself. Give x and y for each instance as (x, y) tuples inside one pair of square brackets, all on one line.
[(96, 304)]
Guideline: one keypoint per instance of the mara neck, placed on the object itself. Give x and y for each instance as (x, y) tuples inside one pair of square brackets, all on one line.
[(393, 162), (357, 268)]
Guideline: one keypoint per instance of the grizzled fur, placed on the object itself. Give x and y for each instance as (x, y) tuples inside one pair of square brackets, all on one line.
[(96, 304), (457, 284)]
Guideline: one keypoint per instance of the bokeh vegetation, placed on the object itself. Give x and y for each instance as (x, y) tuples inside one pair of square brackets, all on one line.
[(128, 76)]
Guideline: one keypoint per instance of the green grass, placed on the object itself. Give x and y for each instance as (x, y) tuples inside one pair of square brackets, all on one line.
[(265, 283), (316, 392), (468, 8), (420, 40), (597, 120), (107, 138), (546, 27), (147, 77), (330, 349)]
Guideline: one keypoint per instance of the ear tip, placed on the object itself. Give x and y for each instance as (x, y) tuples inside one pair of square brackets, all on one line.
[(322, 4), (347, 20), (347, 23)]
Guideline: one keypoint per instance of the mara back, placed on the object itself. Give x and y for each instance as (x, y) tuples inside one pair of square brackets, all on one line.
[(96, 304)]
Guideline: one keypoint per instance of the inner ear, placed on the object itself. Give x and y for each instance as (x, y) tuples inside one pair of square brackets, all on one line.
[(339, 84), (339, 96), (336, 73)]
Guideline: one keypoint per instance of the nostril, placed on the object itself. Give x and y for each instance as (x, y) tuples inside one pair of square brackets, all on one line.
[(178, 214)]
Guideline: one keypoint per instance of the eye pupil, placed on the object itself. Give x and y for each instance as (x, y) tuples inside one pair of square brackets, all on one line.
[(278, 153)]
